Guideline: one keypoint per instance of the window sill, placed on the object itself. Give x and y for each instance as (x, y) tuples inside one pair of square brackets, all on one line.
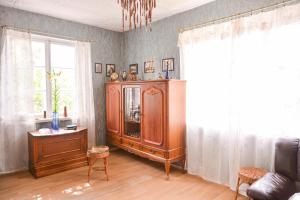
[(43, 120)]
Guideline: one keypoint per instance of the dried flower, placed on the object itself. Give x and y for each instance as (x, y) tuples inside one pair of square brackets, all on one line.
[(53, 77)]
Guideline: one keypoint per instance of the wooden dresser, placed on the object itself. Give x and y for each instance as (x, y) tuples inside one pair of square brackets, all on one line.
[(147, 118), (50, 153)]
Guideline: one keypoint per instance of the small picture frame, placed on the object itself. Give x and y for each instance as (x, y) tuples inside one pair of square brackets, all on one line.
[(110, 68), (98, 67), (133, 68), (149, 66), (168, 64)]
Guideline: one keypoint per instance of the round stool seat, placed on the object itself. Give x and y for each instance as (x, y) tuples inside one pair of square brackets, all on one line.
[(98, 152), (248, 175), (251, 174), (95, 153)]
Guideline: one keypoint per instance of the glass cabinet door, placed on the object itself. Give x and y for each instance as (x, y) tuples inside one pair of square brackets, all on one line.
[(132, 112)]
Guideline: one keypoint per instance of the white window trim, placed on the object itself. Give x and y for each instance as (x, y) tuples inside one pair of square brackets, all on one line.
[(39, 118)]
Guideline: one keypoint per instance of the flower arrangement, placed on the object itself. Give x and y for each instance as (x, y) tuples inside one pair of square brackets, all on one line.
[(53, 77)]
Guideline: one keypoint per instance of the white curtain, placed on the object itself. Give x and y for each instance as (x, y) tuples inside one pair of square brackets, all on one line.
[(16, 99), (243, 83), (84, 114)]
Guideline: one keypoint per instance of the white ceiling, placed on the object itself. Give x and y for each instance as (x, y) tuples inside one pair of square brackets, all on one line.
[(101, 13)]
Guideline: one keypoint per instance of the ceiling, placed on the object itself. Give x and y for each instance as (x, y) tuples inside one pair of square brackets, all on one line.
[(101, 13)]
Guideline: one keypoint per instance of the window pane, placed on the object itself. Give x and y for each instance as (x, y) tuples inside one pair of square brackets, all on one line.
[(62, 60), (38, 53), (66, 80), (66, 85), (39, 78), (67, 99), (39, 102), (62, 56)]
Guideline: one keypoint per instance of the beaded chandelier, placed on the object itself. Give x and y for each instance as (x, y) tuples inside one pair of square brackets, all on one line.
[(134, 10)]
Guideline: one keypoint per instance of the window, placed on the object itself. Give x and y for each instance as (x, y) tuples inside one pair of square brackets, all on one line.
[(53, 55)]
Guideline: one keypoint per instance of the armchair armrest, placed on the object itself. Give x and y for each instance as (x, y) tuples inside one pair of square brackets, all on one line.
[(272, 186)]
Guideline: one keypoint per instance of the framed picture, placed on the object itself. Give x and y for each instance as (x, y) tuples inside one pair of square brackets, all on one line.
[(133, 68), (110, 68), (98, 67), (149, 66), (168, 64)]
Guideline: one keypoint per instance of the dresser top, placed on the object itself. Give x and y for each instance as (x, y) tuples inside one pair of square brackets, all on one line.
[(41, 133)]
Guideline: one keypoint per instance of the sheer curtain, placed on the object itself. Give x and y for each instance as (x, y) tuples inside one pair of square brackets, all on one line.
[(243, 83), (16, 94), (84, 114)]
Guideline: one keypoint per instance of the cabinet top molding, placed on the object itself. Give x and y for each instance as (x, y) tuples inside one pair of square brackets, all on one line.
[(144, 81)]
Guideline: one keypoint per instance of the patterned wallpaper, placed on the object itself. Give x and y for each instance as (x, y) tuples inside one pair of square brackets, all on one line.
[(161, 42), (105, 48), (126, 48)]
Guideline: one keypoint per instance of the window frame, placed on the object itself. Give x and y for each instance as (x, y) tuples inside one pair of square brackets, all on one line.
[(47, 41)]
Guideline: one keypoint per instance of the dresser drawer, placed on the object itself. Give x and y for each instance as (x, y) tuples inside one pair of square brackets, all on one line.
[(140, 147), (113, 139), (131, 144), (155, 152), (60, 147)]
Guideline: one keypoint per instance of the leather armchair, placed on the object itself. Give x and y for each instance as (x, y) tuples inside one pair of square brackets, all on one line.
[(285, 181)]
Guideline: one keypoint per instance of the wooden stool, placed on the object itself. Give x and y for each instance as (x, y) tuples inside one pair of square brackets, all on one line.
[(95, 153), (248, 175)]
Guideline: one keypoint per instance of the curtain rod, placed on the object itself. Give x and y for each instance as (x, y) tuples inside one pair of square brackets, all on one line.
[(240, 15), (43, 33)]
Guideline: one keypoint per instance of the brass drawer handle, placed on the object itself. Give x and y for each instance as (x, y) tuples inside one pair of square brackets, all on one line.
[(130, 144), (152, 151)]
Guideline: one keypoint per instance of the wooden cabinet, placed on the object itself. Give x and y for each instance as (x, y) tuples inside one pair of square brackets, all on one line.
[(113, 107), (147, 118), (50, 153)]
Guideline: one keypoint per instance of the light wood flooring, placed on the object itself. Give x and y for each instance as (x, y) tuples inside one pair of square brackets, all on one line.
[(131, 178)]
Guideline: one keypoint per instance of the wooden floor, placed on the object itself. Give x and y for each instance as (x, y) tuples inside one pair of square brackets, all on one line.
[(131, 178)]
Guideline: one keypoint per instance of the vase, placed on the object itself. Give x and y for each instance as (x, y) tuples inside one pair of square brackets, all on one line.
[(55, 121), (167, 74)]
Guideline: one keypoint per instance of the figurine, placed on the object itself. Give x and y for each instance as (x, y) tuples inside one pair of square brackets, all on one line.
[(133, 76), (114, 77), (160, 77), (167, 72)]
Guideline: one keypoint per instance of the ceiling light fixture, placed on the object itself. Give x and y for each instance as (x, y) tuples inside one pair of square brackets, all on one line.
[(134, 10)]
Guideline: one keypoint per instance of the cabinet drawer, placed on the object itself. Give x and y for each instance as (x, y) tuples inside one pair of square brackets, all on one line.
[(154, 152), (61, 147), (114, 140), (131, 144), (140, 147)]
